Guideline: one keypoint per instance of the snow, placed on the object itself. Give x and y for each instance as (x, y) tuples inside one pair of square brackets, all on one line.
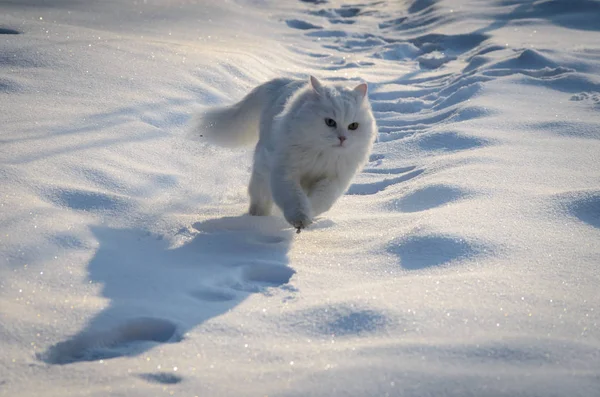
[(462, 261)]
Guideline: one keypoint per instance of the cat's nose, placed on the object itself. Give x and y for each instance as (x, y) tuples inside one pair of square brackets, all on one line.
[(342, 139)]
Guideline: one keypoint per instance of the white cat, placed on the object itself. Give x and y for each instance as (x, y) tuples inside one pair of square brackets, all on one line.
[(312, 139)]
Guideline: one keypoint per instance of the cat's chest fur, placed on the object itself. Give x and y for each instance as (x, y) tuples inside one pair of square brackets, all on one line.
[(314, 166)]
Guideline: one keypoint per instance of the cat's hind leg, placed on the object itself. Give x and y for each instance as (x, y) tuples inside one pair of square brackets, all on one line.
[(259, 189)]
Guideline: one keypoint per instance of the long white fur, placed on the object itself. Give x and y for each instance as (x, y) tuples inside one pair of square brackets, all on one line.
[(300, 163)]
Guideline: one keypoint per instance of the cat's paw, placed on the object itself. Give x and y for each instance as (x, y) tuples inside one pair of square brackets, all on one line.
[(299, 219)]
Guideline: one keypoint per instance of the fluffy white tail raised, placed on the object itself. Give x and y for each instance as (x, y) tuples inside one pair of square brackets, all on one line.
[(234, 125)]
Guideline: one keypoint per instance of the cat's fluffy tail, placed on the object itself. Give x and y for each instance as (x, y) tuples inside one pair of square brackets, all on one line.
[(235, 125)]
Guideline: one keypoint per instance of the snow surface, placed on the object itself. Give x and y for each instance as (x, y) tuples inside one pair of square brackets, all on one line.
[(462, 262)]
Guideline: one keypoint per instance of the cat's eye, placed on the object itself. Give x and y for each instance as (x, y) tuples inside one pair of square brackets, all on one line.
[(353, 126), (330, 122)]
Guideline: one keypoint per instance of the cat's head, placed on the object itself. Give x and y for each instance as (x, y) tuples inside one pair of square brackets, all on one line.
[(337, 117)]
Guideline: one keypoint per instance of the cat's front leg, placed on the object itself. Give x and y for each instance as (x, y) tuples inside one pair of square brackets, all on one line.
[(323, 194), (289, 196)]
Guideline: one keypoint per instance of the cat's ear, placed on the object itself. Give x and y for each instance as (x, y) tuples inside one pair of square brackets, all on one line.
[(361, 89), (315, 85)]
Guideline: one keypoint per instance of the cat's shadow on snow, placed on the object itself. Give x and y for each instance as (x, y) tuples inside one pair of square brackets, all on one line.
[(157, 293)]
